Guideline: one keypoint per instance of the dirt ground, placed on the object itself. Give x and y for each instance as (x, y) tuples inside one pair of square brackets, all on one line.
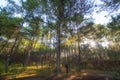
[(83, 76)]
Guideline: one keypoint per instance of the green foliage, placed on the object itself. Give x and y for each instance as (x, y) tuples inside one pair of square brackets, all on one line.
[(116, 73), (44, 49), (15, 68), (1, 67), (114, 25), (45, 72), (8, 25), (31, 5)]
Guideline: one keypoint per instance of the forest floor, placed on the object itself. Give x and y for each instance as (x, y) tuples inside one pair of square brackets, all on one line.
[(84, 75), (81, 77), (37, 73)]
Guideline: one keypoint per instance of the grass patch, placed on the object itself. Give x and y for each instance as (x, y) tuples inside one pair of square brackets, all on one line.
[(45, 72), (16, 68), (1, 67)]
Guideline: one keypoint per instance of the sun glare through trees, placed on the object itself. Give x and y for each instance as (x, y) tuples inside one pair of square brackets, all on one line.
[(60, 39)]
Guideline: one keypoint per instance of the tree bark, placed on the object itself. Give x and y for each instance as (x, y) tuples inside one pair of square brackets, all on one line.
[(79, 55), (58, 50)]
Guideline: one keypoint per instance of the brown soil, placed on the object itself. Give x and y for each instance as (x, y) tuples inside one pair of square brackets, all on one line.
[(83, 76), (76, 76)]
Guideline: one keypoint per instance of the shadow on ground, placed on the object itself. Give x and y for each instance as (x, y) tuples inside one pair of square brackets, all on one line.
[(79, 76), (83, 76)]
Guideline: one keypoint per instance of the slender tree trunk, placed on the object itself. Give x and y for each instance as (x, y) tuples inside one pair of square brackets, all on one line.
[(6, 66), (11, 52), (58, 50), (14, 44), (60, 20), (79, 55), (54, 57), (72, 57)]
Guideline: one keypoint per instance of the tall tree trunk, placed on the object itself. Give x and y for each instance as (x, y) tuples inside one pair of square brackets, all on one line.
[(30, 47), (58, 49), (60, 22), (79, 55)]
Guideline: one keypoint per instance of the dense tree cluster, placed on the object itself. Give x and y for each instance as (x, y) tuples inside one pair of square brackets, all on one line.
[(55, 32)]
